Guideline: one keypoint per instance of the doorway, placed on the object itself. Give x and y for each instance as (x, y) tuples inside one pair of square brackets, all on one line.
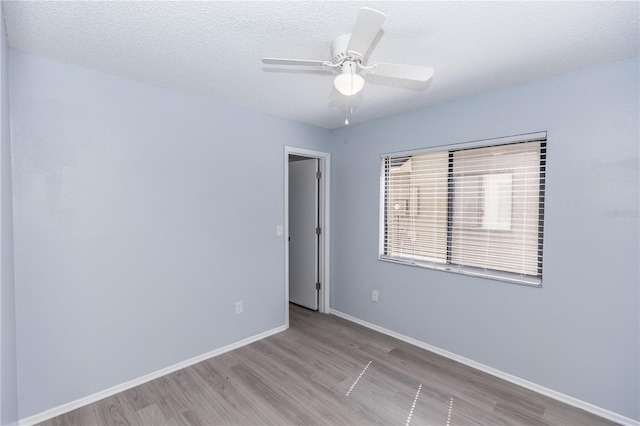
[(306, 229)]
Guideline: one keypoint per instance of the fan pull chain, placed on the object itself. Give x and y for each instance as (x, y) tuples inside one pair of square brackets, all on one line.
[(346, 114), (348, 108)]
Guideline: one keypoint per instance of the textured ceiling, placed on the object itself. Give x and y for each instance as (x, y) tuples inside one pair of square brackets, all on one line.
[(213, 49)]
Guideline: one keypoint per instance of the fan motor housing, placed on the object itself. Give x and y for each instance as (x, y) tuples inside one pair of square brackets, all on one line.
[(339, 48)]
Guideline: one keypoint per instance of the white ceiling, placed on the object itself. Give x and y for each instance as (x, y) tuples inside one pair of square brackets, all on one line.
[(213, 49)]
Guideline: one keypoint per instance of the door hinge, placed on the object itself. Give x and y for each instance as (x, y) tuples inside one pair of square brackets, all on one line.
[(318, 231), (318, 175), (318, 285)]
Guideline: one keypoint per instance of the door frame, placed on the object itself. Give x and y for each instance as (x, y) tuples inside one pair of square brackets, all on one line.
[(324, 213)]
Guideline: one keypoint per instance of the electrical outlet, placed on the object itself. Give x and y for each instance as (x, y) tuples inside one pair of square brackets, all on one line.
[(374, 295), (239, 307)]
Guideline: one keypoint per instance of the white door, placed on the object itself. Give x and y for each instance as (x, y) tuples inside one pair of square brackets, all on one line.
[(303, 240)]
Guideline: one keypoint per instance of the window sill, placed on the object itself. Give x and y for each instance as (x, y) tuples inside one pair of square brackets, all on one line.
[(469, 271)]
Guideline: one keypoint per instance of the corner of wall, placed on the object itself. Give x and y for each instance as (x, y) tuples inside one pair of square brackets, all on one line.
[(8, 361)]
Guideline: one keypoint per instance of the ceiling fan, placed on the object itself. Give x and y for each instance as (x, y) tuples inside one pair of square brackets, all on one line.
[(348, 56)]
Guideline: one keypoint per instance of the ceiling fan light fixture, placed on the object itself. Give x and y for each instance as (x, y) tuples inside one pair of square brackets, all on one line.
[(348, 83), (348, 52)]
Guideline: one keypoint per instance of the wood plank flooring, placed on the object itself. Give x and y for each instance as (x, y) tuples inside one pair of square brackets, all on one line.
[(327, 371)]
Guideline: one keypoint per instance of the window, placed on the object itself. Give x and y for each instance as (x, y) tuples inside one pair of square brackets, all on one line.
[(474, 209)]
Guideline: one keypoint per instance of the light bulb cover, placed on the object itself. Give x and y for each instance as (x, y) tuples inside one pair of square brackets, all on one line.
[(348, 83)]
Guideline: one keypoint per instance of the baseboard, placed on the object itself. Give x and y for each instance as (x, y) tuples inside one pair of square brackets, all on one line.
[(586, 406), (70, 406)]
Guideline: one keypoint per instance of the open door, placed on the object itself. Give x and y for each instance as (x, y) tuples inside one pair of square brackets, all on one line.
[(303, 236)]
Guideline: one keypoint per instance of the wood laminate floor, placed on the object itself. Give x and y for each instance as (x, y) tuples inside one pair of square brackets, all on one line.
[(325, 370)]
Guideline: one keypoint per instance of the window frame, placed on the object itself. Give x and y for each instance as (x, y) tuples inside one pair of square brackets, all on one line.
[(511, 277)]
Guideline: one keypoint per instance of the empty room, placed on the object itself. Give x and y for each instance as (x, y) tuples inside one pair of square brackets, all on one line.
[(319, 212)]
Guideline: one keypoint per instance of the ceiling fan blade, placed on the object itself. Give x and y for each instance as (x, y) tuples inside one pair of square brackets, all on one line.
[(409, 72), (368, 23), (304, 62)]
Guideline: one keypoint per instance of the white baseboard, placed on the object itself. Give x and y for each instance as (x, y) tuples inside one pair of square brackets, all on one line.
[(586, 406), (65, 408)]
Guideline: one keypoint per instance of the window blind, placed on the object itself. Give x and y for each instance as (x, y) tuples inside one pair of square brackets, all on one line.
[(477, 210)]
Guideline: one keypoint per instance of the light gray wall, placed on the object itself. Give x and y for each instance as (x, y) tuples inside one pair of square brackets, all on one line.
[(578, 335), (8, 365), (141, 216)]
